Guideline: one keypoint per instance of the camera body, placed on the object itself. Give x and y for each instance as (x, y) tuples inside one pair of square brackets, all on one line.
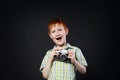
[(63, 56)]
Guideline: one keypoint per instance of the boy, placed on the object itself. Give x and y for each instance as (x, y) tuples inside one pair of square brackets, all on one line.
[(61, 62)]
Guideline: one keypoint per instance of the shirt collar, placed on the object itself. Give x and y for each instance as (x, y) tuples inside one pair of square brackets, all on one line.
[(68, 46)]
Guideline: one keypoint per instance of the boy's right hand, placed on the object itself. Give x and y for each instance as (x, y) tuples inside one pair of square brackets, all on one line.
[(55, 51)]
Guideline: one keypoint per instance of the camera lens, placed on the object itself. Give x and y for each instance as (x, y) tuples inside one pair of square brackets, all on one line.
[(63, 57)]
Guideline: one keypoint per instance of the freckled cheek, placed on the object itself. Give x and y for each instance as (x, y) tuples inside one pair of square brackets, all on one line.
[(53, 35), (61, 32)]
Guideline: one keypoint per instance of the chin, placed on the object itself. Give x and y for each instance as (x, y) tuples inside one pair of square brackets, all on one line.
[(60, 44)]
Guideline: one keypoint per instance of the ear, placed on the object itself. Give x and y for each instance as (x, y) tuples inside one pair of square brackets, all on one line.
[(67, 31)]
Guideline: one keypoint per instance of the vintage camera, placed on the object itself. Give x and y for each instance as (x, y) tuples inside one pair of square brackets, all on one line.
[(63, 56)]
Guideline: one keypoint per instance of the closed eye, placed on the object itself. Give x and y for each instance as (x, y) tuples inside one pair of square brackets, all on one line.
[(52, 31), (59, 29)]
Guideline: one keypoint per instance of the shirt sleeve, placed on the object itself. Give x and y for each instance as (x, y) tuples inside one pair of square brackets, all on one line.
[(80, 57), (44, 61)]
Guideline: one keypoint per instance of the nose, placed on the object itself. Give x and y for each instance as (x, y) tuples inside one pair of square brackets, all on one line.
[(57, 33)]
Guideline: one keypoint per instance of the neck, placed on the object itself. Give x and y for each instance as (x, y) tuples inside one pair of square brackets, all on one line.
[(62, 46)]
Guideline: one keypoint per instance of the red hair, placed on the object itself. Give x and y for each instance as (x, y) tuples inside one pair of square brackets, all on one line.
[(55, 21)]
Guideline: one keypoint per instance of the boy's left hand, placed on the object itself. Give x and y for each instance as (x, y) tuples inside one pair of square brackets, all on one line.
[(71, 55)]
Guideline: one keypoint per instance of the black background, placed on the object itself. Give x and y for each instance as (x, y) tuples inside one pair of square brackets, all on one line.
[(24, 38)]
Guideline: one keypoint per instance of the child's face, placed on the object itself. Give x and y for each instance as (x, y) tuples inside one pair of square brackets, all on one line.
[(58, 34)]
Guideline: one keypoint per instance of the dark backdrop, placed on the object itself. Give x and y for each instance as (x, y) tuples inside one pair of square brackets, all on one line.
[(24, 39)]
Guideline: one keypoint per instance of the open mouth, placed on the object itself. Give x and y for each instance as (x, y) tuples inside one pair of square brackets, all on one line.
[(59, 38)]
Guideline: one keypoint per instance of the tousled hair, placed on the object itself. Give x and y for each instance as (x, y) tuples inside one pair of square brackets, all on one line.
[(55, 21)]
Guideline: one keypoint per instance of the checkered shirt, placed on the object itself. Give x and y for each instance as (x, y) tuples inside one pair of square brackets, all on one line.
[(62, 70)]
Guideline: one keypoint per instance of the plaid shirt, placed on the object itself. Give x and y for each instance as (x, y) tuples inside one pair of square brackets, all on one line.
[(62, 70)]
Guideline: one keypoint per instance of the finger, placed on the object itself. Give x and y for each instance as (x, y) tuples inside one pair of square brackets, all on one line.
[(56, 53), (56, 49), (69, 55), (70, 51)]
